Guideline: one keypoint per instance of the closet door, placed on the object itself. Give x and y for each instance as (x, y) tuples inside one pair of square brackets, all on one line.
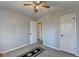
[(67, 33)]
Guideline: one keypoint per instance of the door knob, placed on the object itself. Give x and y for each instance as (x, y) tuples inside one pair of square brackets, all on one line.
[(62, 35)]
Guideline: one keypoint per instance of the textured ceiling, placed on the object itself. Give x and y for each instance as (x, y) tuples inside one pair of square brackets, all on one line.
[(54, 6)]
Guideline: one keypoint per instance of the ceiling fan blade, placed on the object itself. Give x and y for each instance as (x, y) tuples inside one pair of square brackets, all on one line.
[(46, 6), (27, 4)]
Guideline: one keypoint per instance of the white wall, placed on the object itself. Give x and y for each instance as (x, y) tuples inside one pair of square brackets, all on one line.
[(14, 29), (51, 23), (77, 33), (51, 29)]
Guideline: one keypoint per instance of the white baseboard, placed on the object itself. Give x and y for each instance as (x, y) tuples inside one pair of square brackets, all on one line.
[(59, 49), (77, 55), (14, 49), (52, 47), (56, 48)]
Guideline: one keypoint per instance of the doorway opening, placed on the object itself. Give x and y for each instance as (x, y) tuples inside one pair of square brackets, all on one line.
[(39, 32)]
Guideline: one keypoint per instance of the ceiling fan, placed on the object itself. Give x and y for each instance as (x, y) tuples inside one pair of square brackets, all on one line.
[(37, 4)]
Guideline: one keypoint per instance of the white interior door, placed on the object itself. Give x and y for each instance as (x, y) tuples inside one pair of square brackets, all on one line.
[(67, 33), (33, 32)]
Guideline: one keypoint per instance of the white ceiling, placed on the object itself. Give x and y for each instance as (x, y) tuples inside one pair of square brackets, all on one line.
[(54, 6)]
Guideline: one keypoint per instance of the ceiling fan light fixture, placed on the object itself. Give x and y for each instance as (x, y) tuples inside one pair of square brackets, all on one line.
[(37, 4), (37, 7), (38, 1)]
